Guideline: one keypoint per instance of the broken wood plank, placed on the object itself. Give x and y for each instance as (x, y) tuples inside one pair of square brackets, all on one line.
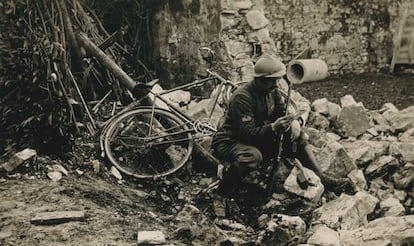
[(17, 159), (57, 217)]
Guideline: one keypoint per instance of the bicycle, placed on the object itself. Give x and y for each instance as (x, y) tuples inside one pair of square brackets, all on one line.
[(149, 142)]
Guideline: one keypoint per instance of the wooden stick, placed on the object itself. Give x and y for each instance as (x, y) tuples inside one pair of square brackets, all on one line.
[(83, 100), (127, 81)]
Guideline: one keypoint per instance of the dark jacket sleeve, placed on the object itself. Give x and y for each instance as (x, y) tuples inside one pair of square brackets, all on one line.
[(242, 117)]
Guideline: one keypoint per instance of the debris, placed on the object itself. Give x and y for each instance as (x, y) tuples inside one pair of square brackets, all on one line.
[(324, 236), (352, 121), (358, 180), (392, 207), (382, 231), (312, 193), (346, 212), (54, 175), (150, 237), (58, 217), (60, 168), (17, 159)]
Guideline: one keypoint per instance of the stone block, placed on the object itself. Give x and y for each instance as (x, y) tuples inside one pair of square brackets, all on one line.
[(347, 100), (334, 159), (150, 238), (321, 106), (403, 149), (358, 181), (382, 231), (353, 121), (364, 151), (380, 165), (324, 236), (312, 193), (392, 207), (256, 19), (346, 212), (404, 177)]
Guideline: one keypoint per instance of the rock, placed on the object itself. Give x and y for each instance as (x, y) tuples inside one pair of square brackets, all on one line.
[(403, 149), (334, 110), (404, 177), (17, 159), (380, 188), (281, 229), (150, 237), (334, 159), (392, 207), (318, 121), (60, 168), (381, 165), (382, 231), (243, 4), (347, 101), (312, 193), (352, 121), (407, 136), (324, 236), (346, 212), (321, 106), (365, 151), (54, 175), (358, 180), (256, 19), (189, 213), (49, 218), (402, 120), (390, 107)]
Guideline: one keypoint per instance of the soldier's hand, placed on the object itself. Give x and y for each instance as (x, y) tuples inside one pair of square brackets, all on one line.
[(295, 129), (281, 123)]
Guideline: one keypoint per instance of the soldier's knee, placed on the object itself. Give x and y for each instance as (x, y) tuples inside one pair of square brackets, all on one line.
[(250, 157)]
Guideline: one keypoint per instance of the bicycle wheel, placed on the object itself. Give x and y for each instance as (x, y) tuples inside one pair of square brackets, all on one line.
[(148, 143)]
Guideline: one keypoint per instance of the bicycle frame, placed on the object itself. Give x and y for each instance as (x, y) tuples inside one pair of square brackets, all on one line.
[(179, 112)]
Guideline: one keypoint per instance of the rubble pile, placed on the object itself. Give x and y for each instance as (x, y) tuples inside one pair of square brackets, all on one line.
[(374, 149)]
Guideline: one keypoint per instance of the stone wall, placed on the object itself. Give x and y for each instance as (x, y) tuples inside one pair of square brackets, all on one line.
[(350, 36)]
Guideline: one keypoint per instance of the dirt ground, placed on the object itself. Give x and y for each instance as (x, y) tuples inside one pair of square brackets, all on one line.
[(116, 210), (373, 90)]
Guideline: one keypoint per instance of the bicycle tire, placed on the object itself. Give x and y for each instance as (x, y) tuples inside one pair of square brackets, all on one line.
[(128, 145)]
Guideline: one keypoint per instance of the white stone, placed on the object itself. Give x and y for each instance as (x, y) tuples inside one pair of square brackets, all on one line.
[(256, 19), (321, 106), (392, 207), (334, 159), (404, 149), (150, 237), (324, 236), (358, 181), (347, 100), (312, 193), (346, 212), (382, 231), (334, 111), (364, 151)]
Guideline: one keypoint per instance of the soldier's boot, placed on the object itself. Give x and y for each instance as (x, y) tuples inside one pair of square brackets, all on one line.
[(306, 156)]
